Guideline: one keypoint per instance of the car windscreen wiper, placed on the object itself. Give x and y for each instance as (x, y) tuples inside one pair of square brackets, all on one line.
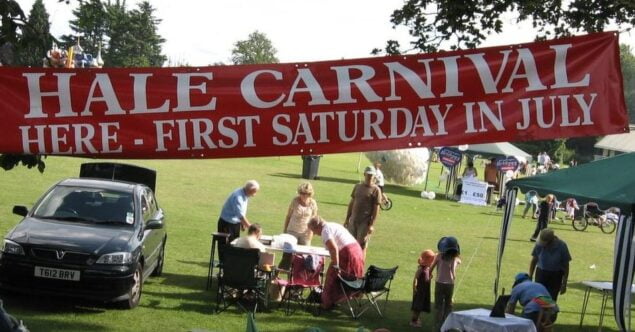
[(112, 222), (72, 218)]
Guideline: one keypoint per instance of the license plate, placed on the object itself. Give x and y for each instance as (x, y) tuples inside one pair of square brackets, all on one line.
[(62, 274)]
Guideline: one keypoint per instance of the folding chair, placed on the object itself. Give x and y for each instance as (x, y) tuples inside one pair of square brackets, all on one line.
[(375, 284), (299, 278), (240, 279)]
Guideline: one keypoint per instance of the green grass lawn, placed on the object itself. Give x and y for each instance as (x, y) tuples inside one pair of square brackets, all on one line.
[(192, 193)]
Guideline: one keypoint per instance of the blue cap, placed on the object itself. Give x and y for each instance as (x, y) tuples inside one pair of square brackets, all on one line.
[(448, 243), (521, 277)]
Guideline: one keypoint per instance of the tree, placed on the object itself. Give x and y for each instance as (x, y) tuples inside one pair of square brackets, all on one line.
[(256, 49), (467, 23), (151, 41), (134, 41), (36, 39), (627, 60), (128, 38), (12, 19), (90, 24)]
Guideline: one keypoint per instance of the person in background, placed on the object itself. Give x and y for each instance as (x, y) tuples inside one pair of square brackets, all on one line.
[(531, 201), (347, 258), (252, 240), (541, 158), (470, 170), (546, 160), (446, 262), (363, 209), (533, 297), (490, 175), (550, 261), (421, 287), (302, 208), (233, 216), (544, 213), (379, 179), (571, 206)]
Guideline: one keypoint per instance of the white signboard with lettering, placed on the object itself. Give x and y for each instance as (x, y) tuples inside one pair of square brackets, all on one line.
[(473, 191)]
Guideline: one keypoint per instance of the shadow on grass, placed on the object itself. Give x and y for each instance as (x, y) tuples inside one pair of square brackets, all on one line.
[(197, 299), (43, 324), (204, 264), (54, 304), (333, 203), (340, 318), (183, 281), (508, 239)]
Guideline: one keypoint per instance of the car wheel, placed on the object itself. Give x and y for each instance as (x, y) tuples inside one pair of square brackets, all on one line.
[(134, 293), (158, 270)]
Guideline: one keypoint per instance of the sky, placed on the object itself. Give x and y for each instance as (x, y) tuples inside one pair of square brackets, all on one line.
[(203, 32)]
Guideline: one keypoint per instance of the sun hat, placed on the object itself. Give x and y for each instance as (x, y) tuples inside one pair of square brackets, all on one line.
[(448, 243), (521, 277), (426, 258), (369, 170), (546, 236)]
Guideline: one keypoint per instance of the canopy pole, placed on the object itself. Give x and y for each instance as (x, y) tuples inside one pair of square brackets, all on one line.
[(510, 196), (624, 263)]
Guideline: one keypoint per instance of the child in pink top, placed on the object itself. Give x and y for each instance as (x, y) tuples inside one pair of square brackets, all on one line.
[(446, 262)]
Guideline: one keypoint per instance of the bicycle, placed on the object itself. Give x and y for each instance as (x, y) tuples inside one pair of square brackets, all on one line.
[(591, 214), (385, 203)]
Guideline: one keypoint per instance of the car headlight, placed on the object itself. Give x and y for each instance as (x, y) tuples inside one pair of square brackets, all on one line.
[(10, 247), (115, 258)]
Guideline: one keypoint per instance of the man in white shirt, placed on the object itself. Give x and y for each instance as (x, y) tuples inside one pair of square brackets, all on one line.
[(252, 240)]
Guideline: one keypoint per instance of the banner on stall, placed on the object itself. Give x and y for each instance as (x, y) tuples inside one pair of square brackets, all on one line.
[(450, 157), (535, 91), (473, 192)]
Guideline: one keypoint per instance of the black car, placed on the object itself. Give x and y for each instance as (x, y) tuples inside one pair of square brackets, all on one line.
[(88, 237)]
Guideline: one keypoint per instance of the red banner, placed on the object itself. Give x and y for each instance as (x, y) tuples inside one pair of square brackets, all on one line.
[(560, 88)]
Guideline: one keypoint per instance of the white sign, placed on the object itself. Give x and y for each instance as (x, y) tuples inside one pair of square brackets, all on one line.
[(473, 191)]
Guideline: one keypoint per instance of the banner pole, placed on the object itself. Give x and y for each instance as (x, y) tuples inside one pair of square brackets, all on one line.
[(425, 187)]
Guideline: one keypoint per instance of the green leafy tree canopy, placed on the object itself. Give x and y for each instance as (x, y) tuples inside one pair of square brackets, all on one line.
[(256, 49), (467, 23), (36, 38)]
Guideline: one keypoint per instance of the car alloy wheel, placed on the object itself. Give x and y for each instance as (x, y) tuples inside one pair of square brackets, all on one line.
[(134, 294)]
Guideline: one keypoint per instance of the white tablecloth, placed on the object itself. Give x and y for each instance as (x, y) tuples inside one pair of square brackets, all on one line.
[(478, 320), (304, 250)]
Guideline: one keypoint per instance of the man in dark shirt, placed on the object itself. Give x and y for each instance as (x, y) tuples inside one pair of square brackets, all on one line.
[(550, 260)]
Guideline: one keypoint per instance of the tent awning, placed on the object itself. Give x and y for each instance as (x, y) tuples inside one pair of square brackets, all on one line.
[(608, 182), (498, 149)]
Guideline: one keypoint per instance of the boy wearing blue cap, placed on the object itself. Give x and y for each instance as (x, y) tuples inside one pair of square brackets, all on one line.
[(533, 297)]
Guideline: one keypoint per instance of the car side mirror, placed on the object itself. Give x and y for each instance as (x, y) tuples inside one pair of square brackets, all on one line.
[(154, 224), (20, 210)]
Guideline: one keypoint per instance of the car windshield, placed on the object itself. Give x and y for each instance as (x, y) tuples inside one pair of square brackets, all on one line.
[(89, 205)]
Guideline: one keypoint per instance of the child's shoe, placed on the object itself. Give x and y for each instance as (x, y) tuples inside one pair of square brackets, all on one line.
[(415, 323)]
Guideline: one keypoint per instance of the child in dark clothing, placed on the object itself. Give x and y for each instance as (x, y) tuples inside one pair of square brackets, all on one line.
[(421, 287)]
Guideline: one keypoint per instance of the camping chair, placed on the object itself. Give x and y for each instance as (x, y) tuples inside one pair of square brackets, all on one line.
[(374, 285), (300, 277), (240, 279)]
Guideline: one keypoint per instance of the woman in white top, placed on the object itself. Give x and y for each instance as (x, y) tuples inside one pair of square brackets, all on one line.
[(347, 258), (302, 208)]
